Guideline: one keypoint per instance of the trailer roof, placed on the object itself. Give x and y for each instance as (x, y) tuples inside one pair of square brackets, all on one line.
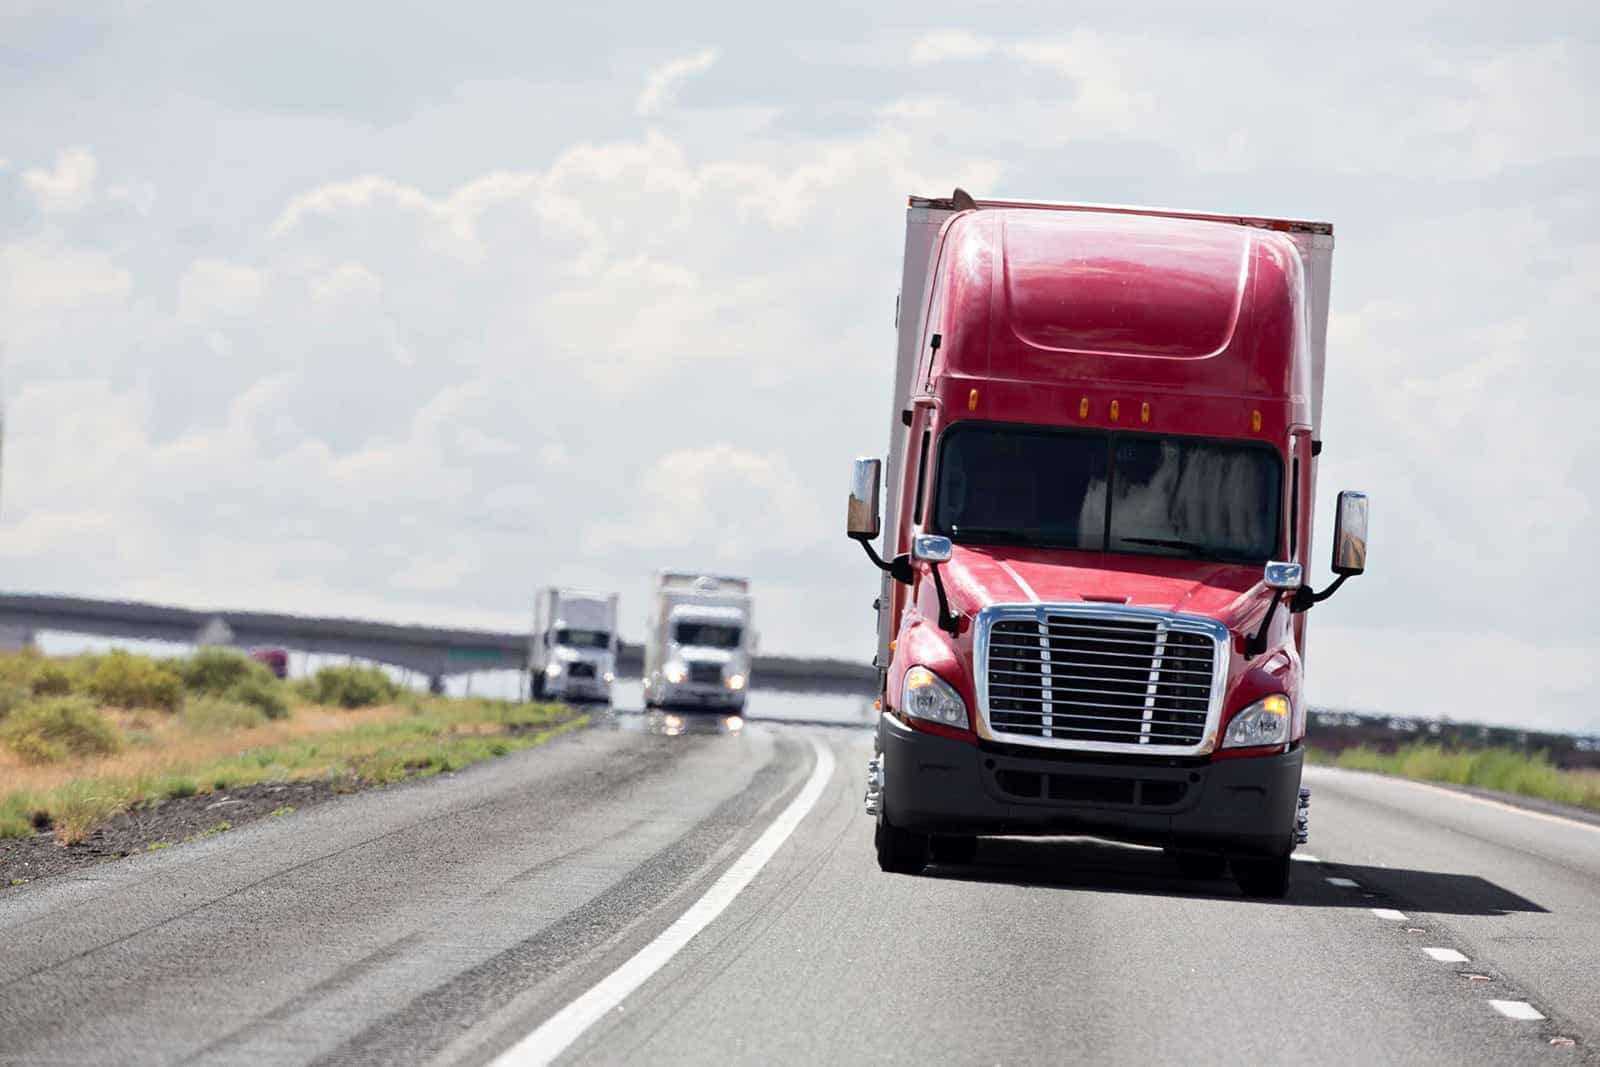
[(954, 203)]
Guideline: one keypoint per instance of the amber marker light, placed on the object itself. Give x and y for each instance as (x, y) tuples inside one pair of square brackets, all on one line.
[(1255, 421), (1083, 408), (972, 400), (1144, 412), (1116, 408)]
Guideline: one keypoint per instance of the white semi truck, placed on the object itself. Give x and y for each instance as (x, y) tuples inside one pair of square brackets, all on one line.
[(572, 653), (699, 642)]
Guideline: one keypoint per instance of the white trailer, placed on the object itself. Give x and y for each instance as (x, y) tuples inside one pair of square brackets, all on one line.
[(699, 642), (572, 652)]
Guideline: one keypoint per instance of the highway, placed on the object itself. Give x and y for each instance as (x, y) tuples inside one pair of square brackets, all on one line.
[(626, 895)]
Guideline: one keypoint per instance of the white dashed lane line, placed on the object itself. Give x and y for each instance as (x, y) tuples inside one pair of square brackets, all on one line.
[(1517, 1009), (1446, 955), (1306, 857), (1511, 1009)]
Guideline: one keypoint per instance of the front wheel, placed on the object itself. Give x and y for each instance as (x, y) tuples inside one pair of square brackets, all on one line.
[(1263, 876), (900, 851)]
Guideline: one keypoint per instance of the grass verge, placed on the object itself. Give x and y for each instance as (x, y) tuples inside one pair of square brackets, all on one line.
[(372, 746), (1502, 769)]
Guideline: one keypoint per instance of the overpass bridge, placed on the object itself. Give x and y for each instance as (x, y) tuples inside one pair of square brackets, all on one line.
[(432, 651)]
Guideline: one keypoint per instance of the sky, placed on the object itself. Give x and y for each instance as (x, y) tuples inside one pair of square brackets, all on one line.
[(401, 311)]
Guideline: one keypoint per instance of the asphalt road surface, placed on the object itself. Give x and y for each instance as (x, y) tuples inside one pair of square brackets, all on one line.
[(622, 895)]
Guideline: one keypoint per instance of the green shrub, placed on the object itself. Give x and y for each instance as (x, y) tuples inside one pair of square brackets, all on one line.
[(264, 694), (20, 666), (48, 730), (130, 681), (57, 680), (32, 748), (219, 715), (350, 687), (218, 670), (12, 694)]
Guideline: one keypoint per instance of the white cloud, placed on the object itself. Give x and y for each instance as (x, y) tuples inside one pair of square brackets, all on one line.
[(66, 189), (662, 85), (213, 289), (730, 499), (433, 574), (52, 293), (1434, 675), (947, 46), (475, 443)]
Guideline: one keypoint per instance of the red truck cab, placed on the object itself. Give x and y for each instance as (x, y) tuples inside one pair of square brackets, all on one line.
[(1099, 494)]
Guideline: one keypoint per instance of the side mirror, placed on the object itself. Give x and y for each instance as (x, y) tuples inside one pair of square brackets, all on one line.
[(1284, 576), (862, 519), (931, 548), (1350, 534)]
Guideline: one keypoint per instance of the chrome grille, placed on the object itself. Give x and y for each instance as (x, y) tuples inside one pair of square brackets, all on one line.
[(705, 673), (1071, 677), (580, 669)]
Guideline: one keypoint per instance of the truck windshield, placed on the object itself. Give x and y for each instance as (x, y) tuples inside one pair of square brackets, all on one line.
[(583, 638), (706, 634), (1143, 494)]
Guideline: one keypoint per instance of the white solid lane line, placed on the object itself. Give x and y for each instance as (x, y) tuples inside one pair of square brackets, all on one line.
[(1446, 955), (1346, 883), (1390, 914), (557, 1033), (1517, 1009)]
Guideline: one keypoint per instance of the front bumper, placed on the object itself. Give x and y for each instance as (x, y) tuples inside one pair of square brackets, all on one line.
[(688, 695), (578, 690), (934, 784)]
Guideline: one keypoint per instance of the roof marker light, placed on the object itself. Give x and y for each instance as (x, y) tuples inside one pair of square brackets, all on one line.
[(1115, 407), (1255, 421), (1144, 412), (972, 400)]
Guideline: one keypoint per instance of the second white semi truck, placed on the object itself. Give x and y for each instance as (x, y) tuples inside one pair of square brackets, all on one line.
[(572, 653), (699, 642)]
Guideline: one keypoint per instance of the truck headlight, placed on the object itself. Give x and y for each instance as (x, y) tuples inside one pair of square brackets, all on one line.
[(927, 696), (553, 670), (609, 677), (1266, 722), (675, 672), (734, 681)]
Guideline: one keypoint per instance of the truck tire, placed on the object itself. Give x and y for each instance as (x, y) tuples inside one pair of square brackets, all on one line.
[(1201, 866), (1263, 876), (900, 851), (538, 685), (953, 848)]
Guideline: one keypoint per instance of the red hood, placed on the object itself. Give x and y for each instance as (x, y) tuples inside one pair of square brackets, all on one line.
[(978, 576)]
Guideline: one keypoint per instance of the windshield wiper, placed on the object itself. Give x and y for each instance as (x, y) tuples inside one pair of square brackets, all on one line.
[(1194, 548), (993, 535)]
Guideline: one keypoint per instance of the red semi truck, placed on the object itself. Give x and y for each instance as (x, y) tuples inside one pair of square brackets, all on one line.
[(1096, 531)]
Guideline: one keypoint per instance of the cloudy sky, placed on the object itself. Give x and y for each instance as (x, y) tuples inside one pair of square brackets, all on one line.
[(400, 309)]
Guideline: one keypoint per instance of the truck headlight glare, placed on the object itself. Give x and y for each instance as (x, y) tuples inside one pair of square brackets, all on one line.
[(609, 677), (928, 697), (675, 672), (734, 681), (1266, 722), (552, 670)]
